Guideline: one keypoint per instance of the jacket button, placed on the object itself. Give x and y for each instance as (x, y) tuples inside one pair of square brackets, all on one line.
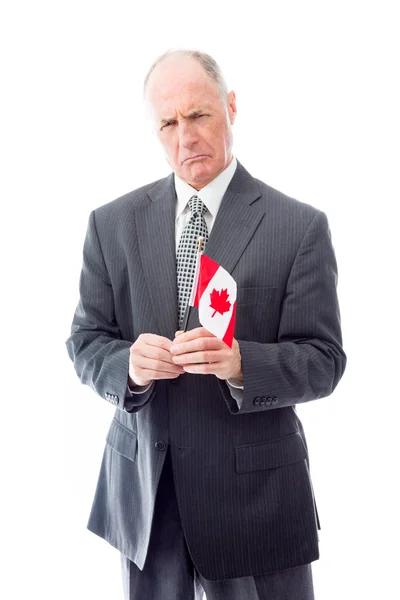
[(275, 400), (269, 401), (263, 401), (257, 401), (160, 445)]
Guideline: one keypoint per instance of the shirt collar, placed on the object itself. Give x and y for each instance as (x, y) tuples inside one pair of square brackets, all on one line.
[(211, 194)]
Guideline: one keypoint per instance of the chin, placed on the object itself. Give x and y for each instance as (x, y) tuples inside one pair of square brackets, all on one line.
[(196, 174), (205, 170)]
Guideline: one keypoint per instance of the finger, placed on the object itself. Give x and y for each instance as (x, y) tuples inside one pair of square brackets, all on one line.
[(205, 368), (151, 339), (154, 352), (143, 363), (187, 336), (196, 345), (207, 356), (149, 375)]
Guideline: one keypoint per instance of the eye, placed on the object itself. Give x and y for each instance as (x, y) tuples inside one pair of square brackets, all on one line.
[(167, 124)]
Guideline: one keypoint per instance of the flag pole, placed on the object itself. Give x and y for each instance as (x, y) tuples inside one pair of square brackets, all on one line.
[(189, 305)]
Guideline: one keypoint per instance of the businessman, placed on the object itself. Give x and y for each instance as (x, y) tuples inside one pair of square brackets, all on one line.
[(205, 486)]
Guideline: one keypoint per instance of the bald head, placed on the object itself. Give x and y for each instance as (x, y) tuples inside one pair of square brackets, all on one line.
[(207, 62)]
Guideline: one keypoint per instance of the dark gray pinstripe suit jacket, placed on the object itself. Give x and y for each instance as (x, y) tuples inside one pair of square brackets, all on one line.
[(241, 475)]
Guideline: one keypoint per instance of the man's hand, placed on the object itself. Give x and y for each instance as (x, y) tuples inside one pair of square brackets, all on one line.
[(199, 351), (150, 359)]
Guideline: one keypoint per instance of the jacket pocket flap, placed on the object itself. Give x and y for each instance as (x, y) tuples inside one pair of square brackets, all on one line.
[(122, 440), (270, 455)]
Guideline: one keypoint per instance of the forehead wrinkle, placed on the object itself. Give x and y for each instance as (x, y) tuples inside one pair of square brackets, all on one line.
[(186, 113), (177, 92), (171, 96), (193, 112)]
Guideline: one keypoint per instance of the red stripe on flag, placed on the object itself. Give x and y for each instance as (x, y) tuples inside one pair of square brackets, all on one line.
[(228, 337), (207, 270)]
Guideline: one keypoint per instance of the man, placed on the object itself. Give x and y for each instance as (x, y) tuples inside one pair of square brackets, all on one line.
[(204, 483)]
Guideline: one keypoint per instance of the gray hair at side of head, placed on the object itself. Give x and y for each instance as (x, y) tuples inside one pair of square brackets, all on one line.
[(208, 63)]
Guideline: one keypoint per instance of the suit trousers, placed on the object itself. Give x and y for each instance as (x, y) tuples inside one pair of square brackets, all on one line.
[(169, 573)]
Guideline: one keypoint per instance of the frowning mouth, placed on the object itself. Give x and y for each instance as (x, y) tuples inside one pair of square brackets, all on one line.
[(197, 157)]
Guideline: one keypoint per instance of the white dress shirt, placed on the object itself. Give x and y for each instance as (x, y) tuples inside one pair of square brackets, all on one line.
[(211, 195)]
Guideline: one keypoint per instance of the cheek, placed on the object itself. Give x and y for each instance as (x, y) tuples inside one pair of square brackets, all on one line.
[(170, 148), (219, 137)]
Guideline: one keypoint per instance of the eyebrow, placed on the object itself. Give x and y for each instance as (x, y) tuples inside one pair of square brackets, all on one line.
[(191, 115), (163, 121), (195, 113)]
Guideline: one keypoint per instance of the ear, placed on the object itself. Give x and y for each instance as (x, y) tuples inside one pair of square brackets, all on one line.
[(231, 102)]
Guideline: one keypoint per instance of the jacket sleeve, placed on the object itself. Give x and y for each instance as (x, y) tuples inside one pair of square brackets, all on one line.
[(307, 361), (99, 354)]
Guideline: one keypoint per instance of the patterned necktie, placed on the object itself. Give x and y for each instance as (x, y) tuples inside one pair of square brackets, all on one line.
[(187, 251)]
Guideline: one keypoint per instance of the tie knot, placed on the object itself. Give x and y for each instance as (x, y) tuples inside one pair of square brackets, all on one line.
[(197, 206)]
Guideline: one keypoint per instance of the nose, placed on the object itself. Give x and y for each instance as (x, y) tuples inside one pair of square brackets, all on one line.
[(187, 134)]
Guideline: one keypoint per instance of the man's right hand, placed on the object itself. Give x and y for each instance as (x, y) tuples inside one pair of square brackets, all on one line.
[(150, 359)]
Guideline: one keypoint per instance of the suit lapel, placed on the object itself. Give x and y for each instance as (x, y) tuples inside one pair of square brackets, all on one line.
[(238, 217), (155, 220), (236, 222)]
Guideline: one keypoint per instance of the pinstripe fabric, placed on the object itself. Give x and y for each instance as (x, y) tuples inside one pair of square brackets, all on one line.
[(241, 475), (169, 574)]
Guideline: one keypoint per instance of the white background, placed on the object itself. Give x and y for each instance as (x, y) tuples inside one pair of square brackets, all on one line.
[(318, 108)]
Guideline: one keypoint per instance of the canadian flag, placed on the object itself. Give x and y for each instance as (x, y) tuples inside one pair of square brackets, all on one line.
[(214, 293)]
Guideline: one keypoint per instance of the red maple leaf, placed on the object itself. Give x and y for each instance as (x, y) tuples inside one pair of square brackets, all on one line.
[(219, 301)]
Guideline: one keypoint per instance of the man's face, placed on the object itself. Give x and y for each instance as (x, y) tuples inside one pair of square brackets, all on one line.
[(191, 119)]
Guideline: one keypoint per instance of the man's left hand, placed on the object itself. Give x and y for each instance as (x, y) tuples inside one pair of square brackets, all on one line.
[(199, 351)]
